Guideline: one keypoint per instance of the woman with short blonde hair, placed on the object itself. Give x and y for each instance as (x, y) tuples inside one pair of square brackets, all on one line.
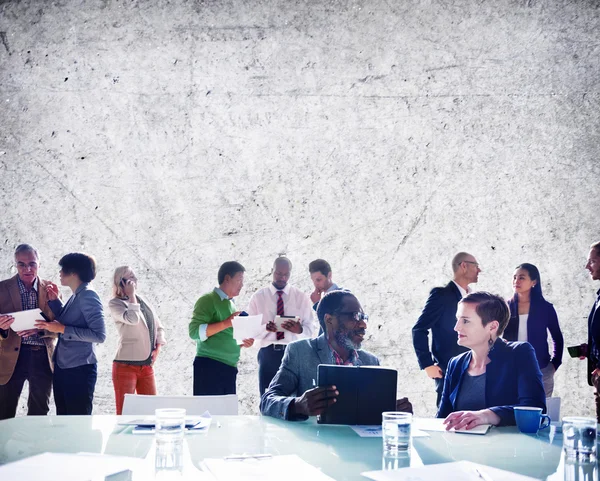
[(141, 336)]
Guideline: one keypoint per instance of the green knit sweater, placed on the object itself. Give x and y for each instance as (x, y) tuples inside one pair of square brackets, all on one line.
[(222, 346)]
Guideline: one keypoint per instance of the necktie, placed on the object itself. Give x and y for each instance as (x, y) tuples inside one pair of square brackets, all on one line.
[(280, 311)]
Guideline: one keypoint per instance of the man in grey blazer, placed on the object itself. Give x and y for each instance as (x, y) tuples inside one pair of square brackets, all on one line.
[(292, 394)]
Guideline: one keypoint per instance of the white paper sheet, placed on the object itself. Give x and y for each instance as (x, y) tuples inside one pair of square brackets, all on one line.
[(459, 471), (25, 319), (374, 431), (270, 468), (145, 425), (67, 467), (247, 327), (437, 424)]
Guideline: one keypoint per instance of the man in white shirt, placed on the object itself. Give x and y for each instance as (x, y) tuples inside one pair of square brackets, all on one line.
[(439, 317), (279, 299), (321, 276)]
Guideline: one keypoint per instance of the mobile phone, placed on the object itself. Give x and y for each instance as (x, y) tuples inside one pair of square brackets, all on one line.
[(123, 282)]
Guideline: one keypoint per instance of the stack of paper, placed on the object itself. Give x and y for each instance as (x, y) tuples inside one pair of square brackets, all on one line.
[(263, 468), (459, 471)]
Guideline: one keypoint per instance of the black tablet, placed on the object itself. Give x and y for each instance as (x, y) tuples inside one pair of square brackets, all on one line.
[(365, 393)]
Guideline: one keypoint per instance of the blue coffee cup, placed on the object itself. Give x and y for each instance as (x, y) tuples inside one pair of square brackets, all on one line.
[(530, 419)]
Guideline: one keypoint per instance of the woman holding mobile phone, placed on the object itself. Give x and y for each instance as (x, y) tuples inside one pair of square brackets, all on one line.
[(141, 336), (531, 318)]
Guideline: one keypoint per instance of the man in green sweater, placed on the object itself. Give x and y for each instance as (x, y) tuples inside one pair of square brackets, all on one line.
[(217, 352)]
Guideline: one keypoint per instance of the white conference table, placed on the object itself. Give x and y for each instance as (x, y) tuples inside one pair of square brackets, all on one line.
[(337, 450)]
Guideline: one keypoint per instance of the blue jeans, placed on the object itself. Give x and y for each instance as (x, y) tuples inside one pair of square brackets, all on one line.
[(74, 389)]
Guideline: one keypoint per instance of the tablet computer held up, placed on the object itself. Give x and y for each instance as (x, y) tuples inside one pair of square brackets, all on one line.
[(364, 393)]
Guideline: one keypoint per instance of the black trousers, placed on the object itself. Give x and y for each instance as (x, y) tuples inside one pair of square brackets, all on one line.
[(213, 378), (32, 366), (74, 389), (269, 360)]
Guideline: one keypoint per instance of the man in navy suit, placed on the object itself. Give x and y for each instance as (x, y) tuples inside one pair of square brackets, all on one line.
[(439, 317), (593, 345), (292, 394)]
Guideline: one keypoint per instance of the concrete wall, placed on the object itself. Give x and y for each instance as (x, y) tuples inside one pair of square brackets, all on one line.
[(383, 136)]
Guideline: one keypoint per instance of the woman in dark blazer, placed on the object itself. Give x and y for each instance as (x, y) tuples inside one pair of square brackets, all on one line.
[(483, 385), (80, 324), (531, 317)]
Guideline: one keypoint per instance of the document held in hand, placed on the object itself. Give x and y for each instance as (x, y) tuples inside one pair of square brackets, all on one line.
[(247, 327), (25, 320)]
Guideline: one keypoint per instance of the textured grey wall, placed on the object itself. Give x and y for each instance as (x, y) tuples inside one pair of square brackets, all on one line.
[(380, 135)]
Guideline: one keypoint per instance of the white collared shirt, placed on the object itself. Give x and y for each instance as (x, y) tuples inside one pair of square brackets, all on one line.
[(463, 293), (295, 303)]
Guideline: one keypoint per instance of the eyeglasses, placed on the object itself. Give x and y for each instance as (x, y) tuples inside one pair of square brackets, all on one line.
[(471, 262), (31, 265), (356, 317)]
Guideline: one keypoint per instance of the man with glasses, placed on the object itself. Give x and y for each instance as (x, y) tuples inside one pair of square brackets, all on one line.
[(293, 394), (279, 299), (24, 355), (439, 317)]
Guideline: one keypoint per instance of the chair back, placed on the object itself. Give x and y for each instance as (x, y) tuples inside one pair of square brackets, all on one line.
[(144, 405)]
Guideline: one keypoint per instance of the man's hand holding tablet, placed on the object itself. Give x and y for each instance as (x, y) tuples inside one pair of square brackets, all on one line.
[(315, 401)]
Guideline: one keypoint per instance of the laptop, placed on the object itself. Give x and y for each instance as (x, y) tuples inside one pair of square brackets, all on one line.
[(365, 393)]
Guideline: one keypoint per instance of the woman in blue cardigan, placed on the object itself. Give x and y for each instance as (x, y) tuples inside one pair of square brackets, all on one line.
[(482, 385), (531, 317)]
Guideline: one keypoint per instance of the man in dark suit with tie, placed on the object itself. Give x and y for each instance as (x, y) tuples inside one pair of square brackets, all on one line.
[(593, 346), (439, 317)]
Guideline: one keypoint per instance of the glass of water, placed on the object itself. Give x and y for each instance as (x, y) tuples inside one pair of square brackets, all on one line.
[(395, 427), (579, 438), (170, 428)]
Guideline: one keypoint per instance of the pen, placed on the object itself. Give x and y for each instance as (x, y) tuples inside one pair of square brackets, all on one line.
[(482, 475), (242, 457)]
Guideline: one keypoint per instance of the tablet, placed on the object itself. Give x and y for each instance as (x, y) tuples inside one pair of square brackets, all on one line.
[(25, 320), (279, 320), (365, 393)]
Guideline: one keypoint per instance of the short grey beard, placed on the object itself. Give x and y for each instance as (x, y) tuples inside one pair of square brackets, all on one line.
[(344, 341)]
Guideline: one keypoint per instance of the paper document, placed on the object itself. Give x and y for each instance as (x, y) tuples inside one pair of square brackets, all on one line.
[(25, 319), (375, 432), (437, 424), (263, 467), (146, 424), (68, 467), (459, 471), (247, 327)]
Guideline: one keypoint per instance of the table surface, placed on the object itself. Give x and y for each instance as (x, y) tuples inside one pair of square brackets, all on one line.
[(337, 450)]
